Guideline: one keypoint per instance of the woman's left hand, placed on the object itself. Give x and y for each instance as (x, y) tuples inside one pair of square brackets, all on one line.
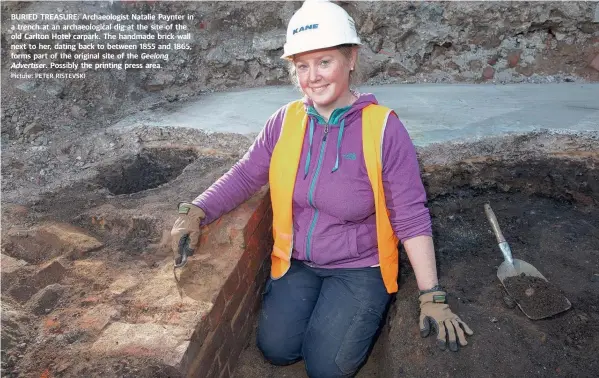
[(435, 313)]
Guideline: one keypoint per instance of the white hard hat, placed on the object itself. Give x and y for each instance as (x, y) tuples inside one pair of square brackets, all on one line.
[(319, 24)]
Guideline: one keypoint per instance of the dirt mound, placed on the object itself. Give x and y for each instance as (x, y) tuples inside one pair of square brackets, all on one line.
[(537, 297)]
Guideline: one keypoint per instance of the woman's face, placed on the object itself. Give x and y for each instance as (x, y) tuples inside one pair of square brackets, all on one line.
[(323, 75)]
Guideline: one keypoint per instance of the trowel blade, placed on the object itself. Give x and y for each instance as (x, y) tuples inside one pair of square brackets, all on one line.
[(508, 270)]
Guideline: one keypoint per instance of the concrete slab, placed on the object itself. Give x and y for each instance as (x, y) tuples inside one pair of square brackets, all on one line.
[(431, 112)]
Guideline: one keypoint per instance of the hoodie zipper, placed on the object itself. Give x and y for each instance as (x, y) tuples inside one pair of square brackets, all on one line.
[(311, 192)]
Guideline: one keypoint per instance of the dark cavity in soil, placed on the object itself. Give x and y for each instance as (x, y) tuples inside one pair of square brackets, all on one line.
[(147, 170)]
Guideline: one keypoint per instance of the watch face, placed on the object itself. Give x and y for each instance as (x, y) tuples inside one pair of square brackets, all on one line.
[(440, 298), (183, 209)]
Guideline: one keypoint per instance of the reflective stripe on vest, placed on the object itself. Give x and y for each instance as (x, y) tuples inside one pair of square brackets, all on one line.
[(282, 173)]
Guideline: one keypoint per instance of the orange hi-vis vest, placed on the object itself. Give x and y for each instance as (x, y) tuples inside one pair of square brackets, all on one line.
[(282, 173)]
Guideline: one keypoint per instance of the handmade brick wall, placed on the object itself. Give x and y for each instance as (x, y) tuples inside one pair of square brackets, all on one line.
[(223, 332)]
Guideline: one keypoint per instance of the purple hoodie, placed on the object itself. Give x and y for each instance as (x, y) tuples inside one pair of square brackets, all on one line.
[(333, 210)]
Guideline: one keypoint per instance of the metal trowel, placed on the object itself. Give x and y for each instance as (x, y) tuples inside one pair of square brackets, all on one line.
[(512, 267)]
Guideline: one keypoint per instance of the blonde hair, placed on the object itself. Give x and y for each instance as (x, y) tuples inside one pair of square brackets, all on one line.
[(346, 50)]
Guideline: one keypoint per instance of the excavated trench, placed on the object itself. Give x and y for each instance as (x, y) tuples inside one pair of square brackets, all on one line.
[(546, 203), (547, 209)]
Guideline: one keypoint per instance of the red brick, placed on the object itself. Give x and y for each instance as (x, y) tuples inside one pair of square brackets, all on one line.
[(243, 270), (244, 340), (241, 315), (265, 248), (231, 284), (196, 343), (257, 300), (201, 364), (252, 244), (225, 373), (218, 308), (264, 228), (225, 355), (246, 331), (254, 264), (252, 224), (212, 373), (216, 363), (232, 306), (262, 209), (260, 280), (251, 260)]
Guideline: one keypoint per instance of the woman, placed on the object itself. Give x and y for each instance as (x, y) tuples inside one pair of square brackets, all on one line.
[(333, 270)]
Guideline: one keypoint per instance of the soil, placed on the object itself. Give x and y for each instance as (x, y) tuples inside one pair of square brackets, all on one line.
[(537, 297)]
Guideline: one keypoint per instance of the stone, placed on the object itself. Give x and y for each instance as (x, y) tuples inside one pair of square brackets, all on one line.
[(269, 41), (56, 90), (122, 284), (525, 70), (595, 63), (15, 330), (78, 111), (164, 342), (46, 299), (513, 57), (218, 56), (49, 241), (27, 86), (96, 318), (21, 292), (160, 81), (33, 128), (49, 274), (488, 73), (75, 241), (475, 65), (10, 264), (492, 60), (27, 286)]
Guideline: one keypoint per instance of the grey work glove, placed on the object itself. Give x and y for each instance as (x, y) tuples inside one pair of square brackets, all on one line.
[(435, 313), (186, 230)]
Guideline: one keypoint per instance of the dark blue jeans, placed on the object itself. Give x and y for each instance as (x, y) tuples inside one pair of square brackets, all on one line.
[(327, 317)]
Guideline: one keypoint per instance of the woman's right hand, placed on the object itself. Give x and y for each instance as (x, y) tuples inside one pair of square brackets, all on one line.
[(187, 225)]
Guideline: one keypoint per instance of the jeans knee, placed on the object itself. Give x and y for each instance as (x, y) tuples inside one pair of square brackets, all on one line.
[(325, 369), (276, 352)]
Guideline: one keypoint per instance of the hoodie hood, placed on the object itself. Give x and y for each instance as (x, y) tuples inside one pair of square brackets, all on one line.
[(339, 117)]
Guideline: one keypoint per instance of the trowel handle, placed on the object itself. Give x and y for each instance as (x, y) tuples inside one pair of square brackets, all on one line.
[(494, 224)]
